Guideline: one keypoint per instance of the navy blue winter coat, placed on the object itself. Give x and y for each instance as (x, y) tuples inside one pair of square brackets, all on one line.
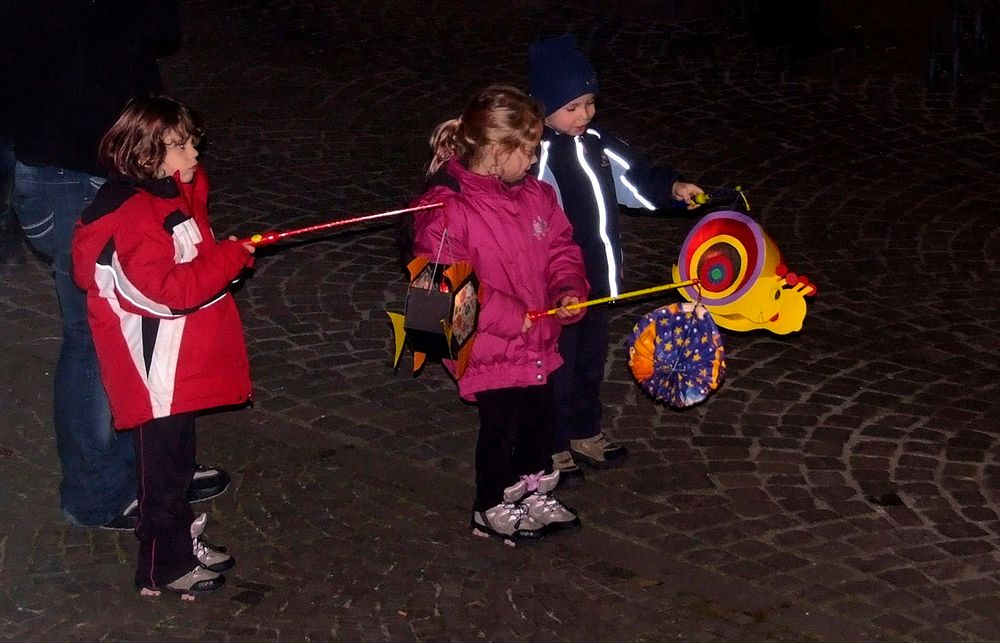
[(592, 174)]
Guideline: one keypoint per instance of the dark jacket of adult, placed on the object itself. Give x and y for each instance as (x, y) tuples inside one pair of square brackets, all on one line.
[(74, 65)]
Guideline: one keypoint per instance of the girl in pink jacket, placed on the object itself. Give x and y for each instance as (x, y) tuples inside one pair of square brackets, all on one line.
[(510, 227)]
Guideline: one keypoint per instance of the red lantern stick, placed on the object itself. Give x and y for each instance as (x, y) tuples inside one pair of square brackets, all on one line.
[(268, 238)]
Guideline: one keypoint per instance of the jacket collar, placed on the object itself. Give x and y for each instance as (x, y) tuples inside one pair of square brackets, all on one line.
[(165, 187), (481, 182)]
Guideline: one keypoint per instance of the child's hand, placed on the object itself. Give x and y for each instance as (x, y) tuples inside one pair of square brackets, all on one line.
[(249, 246), (686, 192), (527, 323), (563, 312)]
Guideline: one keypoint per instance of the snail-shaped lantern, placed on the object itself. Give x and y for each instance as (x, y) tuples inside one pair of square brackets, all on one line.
[(742, 279)]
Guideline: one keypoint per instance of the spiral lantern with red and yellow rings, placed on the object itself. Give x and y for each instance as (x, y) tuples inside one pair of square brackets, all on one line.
[(741, 276), (727, 252)]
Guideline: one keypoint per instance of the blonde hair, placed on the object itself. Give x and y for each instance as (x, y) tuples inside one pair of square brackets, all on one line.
[(134, 147), (499, 114)]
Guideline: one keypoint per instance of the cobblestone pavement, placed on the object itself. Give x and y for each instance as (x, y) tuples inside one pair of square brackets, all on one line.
[(746, 518)]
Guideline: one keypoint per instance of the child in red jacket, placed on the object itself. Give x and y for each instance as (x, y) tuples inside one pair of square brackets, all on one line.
[(168, 335)]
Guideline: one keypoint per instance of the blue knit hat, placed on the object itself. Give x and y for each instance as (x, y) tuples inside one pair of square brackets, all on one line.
[(558, 73)]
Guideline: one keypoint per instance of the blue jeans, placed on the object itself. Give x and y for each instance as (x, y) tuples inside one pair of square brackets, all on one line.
[(98, 463)]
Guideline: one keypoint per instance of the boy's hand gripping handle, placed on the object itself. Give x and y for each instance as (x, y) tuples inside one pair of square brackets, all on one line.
[(723, 194)]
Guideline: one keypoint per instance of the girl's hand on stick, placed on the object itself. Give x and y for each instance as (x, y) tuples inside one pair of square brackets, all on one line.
[(563, 313)]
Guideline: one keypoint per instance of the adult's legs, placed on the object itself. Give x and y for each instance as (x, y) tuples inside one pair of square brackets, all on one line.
[(97, 461)]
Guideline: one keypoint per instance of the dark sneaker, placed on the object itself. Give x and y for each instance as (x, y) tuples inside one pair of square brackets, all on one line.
[(126, 520), (598, 452), (209, 556), (570, 473), (207, 483)]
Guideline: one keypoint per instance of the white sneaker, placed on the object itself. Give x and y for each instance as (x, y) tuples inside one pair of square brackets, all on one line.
[(509, 520), (544, 507), (211, 558), (196, 581)]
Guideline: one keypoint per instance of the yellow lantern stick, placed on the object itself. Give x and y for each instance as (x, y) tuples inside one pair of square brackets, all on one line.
[(625, 295)]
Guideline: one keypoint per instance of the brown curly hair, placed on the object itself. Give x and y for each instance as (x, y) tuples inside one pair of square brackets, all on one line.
[(134, 147)]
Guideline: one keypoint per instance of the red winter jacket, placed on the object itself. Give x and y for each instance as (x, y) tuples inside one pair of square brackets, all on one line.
[(168, 335)]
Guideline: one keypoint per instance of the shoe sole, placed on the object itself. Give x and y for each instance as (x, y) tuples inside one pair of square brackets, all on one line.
[(115, 526), (600, 464), (556, 527), (221, 567), (511, 540), (196, 494), (202, 587)]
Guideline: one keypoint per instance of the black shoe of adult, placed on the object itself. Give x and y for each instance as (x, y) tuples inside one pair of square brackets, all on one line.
[(207, 483), (126, 520)]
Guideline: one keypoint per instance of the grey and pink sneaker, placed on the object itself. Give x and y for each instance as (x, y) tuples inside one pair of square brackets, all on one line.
[(510, 520), (543, 506)]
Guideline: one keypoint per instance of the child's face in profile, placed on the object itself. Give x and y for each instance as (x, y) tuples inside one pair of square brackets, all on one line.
[(515, 164), (182, 155), (573, 117)]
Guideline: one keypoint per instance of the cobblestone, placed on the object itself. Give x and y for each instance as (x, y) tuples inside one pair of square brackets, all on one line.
[(746, 518)]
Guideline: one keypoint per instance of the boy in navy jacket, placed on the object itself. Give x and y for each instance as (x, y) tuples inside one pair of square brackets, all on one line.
[(593, 172)]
